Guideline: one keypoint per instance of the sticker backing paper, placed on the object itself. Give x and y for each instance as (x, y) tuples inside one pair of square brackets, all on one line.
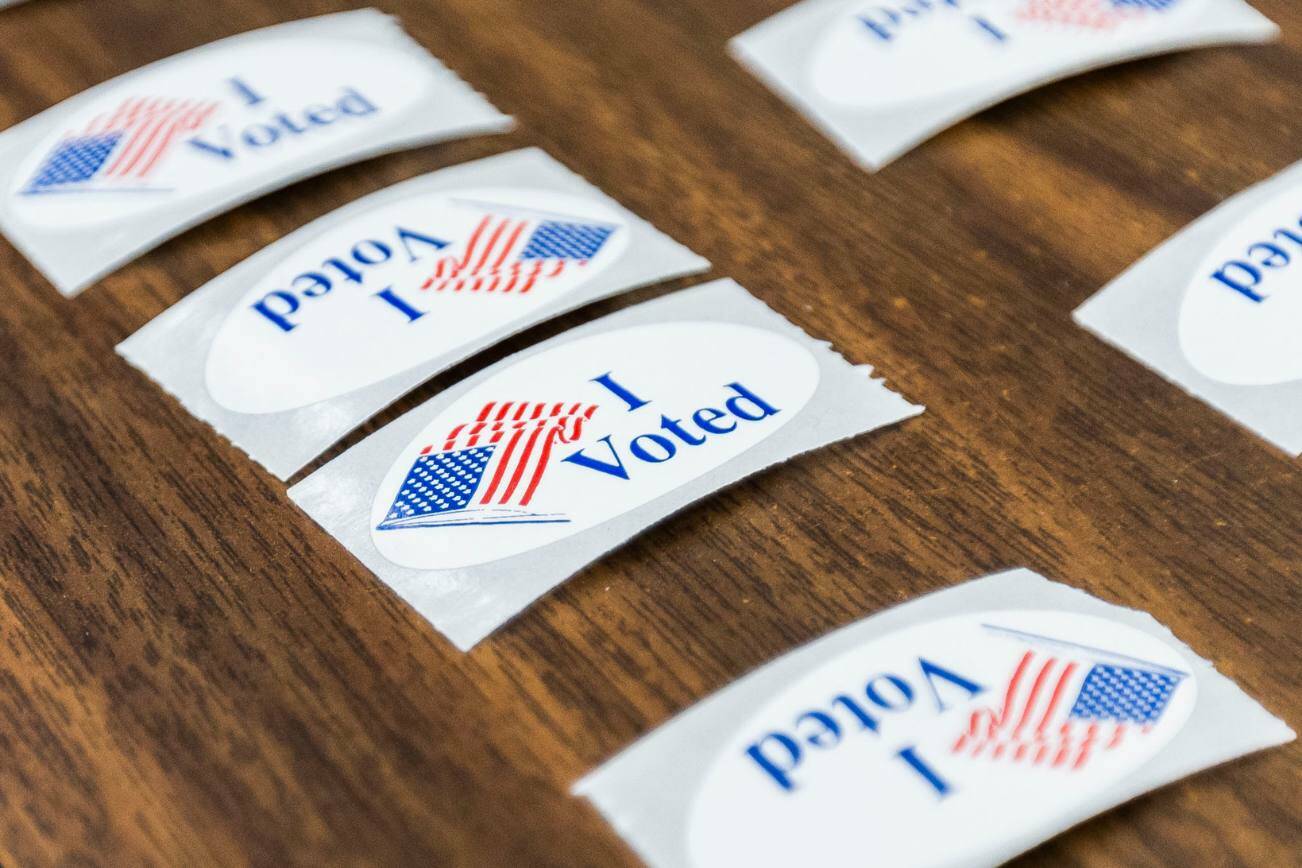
[(93, 182), (292, 349), (1218, 309), (497, 490), (960, 729), (880, 77)]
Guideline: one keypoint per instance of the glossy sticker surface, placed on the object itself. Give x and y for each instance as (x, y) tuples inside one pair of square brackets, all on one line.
[(879, 55), (1241, 319), (978, 725), (207, 124), (403, 283), (583, 433)]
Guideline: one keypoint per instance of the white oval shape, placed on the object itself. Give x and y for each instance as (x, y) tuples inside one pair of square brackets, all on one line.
[(258, 111), (891, 54), (453, 500), (858, 801), (1225, 331), (505, 253)]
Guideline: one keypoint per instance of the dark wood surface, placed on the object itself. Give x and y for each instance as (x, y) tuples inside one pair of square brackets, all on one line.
[(192, 672)]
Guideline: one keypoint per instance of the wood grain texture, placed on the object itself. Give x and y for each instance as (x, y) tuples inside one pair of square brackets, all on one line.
[(193, 673)]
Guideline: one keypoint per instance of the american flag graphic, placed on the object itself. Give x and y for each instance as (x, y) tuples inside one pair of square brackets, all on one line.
[(513, 250), (123, 147), (1061, 707), (487, 471), (1090, 14)]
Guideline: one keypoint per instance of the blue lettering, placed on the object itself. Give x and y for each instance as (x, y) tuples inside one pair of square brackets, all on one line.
[(288, 125), (654, 448), (779, 753), (356, 105), (380, 252), (222, 151), (745, 397), (1273, 256), (1244, 279), (864, 718), (261, 135), (988, 26), (884, 22), (615, 469), (352, 267), (1288, 235), (1246, 276), (666, 448), (883, 27), (608, 381), (707, 418), (278, 314), (925, 771), (250, 96), (312, 284), (779, 769), (320, 115), (675, 427), (407, 236), (282, 125), (395, 301), (827, 732), (930, 672), (349, 273), (876, 697)]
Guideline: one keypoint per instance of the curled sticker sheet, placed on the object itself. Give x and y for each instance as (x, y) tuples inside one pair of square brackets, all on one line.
[(1217, 309), (880, 77), (92, 183), (960, 729), (483, 499), (293, 348)]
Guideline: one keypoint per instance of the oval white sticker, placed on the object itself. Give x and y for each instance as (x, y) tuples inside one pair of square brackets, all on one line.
[(1241, 320), (888, 54), (202, 125), (918, 748), (582, 433), (407, 281)]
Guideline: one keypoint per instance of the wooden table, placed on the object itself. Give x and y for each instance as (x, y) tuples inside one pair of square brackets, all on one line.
[(192, 672)]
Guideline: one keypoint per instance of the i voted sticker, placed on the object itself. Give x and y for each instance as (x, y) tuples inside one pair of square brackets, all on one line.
[(583, 433), (1241, 320), (962, 728), (412, 280), (293, 348), (1025, 709), (206, 124), (881, 76), (96, 180), (476, 503), (1218, 309), (884, 55)]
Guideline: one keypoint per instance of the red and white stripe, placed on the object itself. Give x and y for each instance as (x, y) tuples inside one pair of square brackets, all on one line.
[(492, 263), (1032, 725), (1089, 14), (526, 433), (150, 128)]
